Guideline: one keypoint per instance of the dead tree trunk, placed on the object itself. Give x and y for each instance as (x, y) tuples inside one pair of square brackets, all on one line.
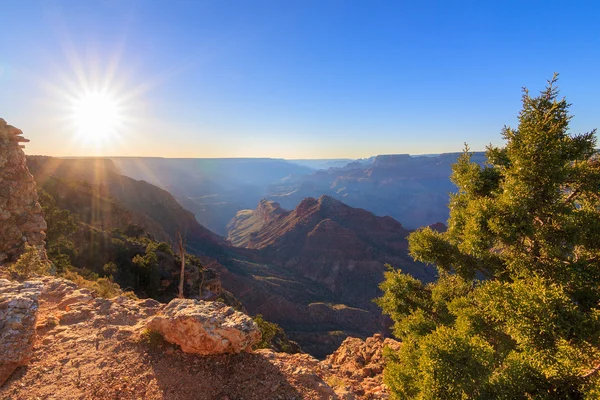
[(201, 283)]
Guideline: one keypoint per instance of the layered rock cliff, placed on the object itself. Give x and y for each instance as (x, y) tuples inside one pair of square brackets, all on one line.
[(329, 242), (21, 219)]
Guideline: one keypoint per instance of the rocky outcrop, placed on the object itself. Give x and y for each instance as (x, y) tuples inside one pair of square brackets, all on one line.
[(359, 364), (360, 359), (91, 347), (353, 371), (247, 223), (18, 315), (21, 219), (205, 328)]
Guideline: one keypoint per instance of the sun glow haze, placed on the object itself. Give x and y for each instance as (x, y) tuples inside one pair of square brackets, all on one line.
[(96, 116)]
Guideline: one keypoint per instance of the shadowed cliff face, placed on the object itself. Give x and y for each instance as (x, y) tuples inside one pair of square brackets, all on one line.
[(139, 202), (21, 219)]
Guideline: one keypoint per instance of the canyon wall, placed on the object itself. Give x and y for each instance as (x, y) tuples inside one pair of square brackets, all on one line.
[(21, 219)]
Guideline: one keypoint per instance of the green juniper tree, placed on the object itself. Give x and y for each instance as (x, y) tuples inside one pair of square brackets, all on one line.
[(515, 311)]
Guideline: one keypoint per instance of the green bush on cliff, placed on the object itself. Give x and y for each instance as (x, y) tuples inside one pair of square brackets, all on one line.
[(62, 225), (274, 337), (30, 263), (515, 312)]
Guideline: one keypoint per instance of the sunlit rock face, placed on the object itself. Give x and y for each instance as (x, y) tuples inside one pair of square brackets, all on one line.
[(18, 315), (21, 219)]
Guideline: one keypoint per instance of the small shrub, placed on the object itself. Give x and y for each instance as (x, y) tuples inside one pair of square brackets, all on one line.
[(131, 295), (152, 338), (30, 263), (273, 337), (104, 287), (335, 381), (109, 268)]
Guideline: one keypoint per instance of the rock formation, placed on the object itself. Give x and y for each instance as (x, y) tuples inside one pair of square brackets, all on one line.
[(361, 359), (353, 371), (203, 327), (18, 315), (337, 247), (21, 219)]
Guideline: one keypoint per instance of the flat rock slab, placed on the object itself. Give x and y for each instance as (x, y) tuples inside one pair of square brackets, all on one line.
[(18, 315), (205, 328)]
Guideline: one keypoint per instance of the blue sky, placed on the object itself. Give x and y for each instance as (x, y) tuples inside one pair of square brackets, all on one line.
[(292, 79)]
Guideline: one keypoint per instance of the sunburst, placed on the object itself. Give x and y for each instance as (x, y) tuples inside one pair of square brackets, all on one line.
[(96, 116)]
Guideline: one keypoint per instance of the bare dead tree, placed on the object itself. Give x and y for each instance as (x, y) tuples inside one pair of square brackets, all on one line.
[(201, 283), (181, 247)]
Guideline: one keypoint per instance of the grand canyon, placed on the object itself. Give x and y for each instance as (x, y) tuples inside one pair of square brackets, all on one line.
[(289, 200)]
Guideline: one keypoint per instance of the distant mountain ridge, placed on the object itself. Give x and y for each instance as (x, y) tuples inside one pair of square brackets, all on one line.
[(411, 189), (213, 189)]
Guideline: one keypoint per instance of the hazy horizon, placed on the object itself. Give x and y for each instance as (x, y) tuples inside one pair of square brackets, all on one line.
[(292, 80), (260, 158)]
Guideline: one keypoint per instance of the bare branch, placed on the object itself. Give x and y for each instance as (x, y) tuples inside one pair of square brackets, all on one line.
[(591, 373)]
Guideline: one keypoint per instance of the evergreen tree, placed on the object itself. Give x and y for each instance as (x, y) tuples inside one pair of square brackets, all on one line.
[(515, 311)]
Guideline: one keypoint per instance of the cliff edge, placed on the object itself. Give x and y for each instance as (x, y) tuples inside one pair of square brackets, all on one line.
[(21, 219)]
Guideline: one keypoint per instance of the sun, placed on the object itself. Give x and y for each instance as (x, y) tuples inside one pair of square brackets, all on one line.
[(96, 116)]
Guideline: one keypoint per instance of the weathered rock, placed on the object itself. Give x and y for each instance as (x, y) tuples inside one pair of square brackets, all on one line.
[(360, 364), (21, 219), (77, 296), (353, 371), (18, 315), (205, 327), (303, 369)]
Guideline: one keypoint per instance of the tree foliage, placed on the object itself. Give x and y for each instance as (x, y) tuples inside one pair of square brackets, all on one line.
[(30, 263), (274, 337), (515, 312), (62, 225)]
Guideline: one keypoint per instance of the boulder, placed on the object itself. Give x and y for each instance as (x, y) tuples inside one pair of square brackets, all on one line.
[(205, 328), (18, 315)]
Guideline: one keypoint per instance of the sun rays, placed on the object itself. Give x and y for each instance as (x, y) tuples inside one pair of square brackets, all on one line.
[(96, 116)]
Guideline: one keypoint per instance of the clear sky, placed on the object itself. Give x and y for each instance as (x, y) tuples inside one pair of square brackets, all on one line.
[(288, 78)]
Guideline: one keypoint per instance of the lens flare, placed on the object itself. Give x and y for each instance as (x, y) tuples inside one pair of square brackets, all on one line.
[(96, 116)]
